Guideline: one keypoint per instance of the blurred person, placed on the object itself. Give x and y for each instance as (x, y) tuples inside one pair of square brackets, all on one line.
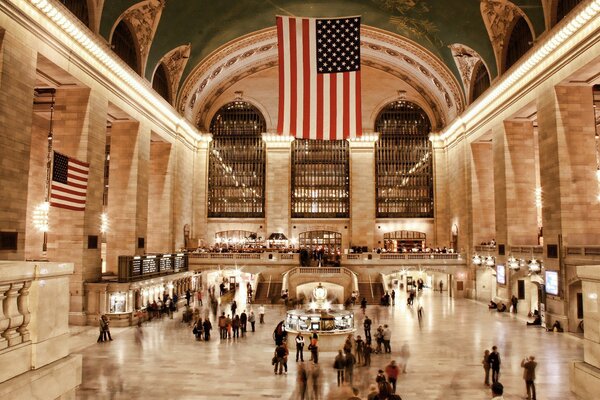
[(404, 356), (387, 338), (379, 339), (235, 326), (314, 348), (339, 364), (359, 345), (299, 347), (363, 304), (315, 377), (367, 354), (279, 358), (228, 326), (529, 365), (302, 379), (392, 371), (252, 320), (261, 314), (207, 327), (367, 325), (222, 326), (494, 360), (243, 322), (355, 393), (497, 391), (350, 362), (373, 392), (486, 367)]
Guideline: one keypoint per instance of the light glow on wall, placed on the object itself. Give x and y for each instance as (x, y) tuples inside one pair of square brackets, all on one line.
[(41, 217)]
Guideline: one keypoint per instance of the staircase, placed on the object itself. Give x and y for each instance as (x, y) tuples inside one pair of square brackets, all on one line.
[(365, 291), (261, 292)]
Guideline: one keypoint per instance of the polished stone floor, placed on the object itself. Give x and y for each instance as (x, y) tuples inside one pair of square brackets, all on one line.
[(163, 361)]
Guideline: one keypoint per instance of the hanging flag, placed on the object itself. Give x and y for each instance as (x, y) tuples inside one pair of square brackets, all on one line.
[(69, 183), (319, 77)]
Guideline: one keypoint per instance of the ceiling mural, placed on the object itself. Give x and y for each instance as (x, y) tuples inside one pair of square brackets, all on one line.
[(207, 25)]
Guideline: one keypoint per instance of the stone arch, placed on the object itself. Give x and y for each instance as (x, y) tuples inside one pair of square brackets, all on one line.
[(174, 63), (510, 36)]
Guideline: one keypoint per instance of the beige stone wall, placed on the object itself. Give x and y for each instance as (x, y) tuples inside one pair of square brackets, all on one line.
[(199, 189), (458, 189), (183, 194), (362, 194), (17, 80), (440, 200), (128, 190), (278, 188), (160, 198), (482, 191)]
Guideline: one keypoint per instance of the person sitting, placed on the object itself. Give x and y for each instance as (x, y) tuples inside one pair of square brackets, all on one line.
[(501, 307), (492, 305), (556, 327), (537, 320)]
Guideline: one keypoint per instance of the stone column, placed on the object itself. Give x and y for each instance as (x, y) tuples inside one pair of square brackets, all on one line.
[(17, 80), (160, 198), (79, 132), (128, 190), (183, 192), (585, 375), (568, 165), (200, 190), (278, 185), (440, 201), (362, 193), (514, 184), (482, 192)]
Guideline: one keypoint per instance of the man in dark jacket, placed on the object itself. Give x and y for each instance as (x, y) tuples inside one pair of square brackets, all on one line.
[(529, 365), (243, 322), (367, 326), (207, 327), (494, 360)]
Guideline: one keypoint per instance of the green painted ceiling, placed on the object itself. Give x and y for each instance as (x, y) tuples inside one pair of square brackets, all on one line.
[(434, 24)]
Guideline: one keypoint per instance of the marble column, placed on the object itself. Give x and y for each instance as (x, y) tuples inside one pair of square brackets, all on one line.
[(278, 186), (362, 193), (17, 81), (482, 192), (183, 192), (585, 375), (128, 190), (160, 198), (514, 184), (440, 192), (80, 132), (200, 190)]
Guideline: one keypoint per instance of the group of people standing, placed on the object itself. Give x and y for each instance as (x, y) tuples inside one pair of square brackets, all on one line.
[(491, 361)]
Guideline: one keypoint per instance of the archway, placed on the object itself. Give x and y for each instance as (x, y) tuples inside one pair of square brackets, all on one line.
[(398, 241), (325, 242)]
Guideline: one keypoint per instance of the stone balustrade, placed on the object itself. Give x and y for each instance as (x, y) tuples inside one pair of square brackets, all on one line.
[(34, 329)]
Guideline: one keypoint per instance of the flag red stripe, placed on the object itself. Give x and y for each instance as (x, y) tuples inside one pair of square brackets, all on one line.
[(280, 50), (74, 168), (294, 77), (319, 106), (62, 189), (80, 163), (332, 106), (77, 177), (358, 106), (307, 76), (346, 80), (66, 198), (60, 205)]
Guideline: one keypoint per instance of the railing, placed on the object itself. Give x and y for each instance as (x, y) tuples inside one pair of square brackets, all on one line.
[(527, 250), (353, 257), (582, 250), (269, 286), (485, 248), (264, 257), (30, 292), (371, 286)]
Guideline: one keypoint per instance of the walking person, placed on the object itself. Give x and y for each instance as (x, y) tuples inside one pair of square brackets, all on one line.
[(106, 331), (363, 304), (235, 326), (314, 348), (101, 327), (392, 371), (299, 347), (367, 325), (514, 302), (252, 320), (222, 326), (188, 296), (349, 365), (404, 356), (302, 381), (367, 354), (441, 286), (207, 327), (359, 345), (261, 314), (233, 307), (393, 297), (486, 367), (339, 364), (528, 365), (387, 337), (243, 322), (279, 359), (494, 360)]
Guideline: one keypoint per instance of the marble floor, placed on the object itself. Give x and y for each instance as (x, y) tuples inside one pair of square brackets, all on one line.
[(163, 361)]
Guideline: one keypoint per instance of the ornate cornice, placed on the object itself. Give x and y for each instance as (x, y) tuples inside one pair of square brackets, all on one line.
[(175, 61), (466, 59), (143, 18), (383, 50)]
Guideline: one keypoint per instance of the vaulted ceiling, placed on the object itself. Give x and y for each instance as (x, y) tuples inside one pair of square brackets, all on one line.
[(207, 25)]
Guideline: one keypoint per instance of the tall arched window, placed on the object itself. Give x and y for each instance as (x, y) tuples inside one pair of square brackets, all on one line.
[(320, 179), (403, 162), (79, 8), (123, 44), (563, 7), (236, 169), (160, 82), (481, 81), (520, 41)]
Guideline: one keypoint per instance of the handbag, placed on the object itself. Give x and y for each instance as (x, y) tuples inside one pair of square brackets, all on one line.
[(274, 360)]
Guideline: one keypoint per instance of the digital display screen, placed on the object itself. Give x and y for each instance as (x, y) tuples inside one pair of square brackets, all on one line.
[(501, 274), (552, 282)]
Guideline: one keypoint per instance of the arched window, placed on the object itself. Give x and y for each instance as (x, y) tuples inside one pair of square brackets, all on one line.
[(123, 44), (481, 81), (236, 168), (79, 8), (320, 179), (520, 41), (563, 7), (403, 162), (327, 241), (160, 82)]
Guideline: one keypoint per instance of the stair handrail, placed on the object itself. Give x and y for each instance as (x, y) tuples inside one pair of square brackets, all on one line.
[(269, 286), (371, 286)]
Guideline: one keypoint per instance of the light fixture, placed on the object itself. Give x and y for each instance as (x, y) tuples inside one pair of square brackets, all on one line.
[(490, 261), (104, 222), (40, 217), (477, 259), (534, 266), (513, 263)]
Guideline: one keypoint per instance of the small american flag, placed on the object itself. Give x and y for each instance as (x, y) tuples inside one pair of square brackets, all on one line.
[(69, 183), (319, 77)]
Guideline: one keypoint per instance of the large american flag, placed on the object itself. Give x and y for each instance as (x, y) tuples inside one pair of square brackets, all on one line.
[(319, 77), (69, 183)]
